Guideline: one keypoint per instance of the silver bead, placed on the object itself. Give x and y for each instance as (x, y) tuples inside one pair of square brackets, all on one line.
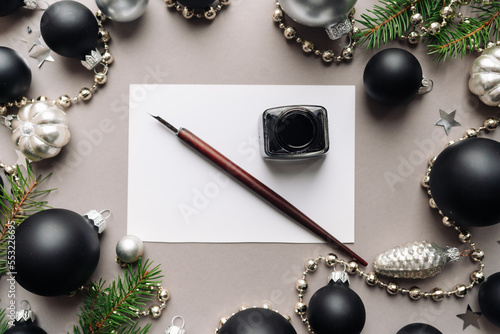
[(471, 133), (301, 285), (155, 311), (311, 265), (392, 288), (103, 36), (414, 37), (307, 46), (187, 13), (447, 12), (85, 94), (210, 14), (447, 222), (415, 293), (437, 294), (328, 56), (460, 290), (477, 276), (289, 33), (64, 101), (129, 249), (123, 10), (477, 255), (100, 78), (278, 15), (300, 308), (352, 267), (107, 58), (432, 203), (170, 3), (490, 124), (163, 295), (416, 19), (348, 53), (371, 279), (434, 28), (331, 259), (425, 181), (464, 236)]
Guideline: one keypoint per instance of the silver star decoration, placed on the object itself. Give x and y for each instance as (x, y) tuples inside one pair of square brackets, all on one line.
[(447, 121), (42, 54), (32, 39), (470, 318)]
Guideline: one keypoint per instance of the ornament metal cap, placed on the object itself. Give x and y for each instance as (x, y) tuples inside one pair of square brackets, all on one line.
[(426, 86), (337, 30), (92, 60), (25, 313), (98, 219), (339, 276), (176, 329)]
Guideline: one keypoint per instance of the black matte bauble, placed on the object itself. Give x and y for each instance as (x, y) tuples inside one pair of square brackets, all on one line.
[(419, 328), (69, 29), (335, 308), (57, 250), (196, 4), (15, 75), (465, 182), (8, 6), (257, 321), (392, 76), (489, 299), (25, 328)]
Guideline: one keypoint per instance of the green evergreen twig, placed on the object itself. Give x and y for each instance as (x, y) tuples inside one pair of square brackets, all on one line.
[(4, 322), (465, 37), (22, 201), (115, 309)]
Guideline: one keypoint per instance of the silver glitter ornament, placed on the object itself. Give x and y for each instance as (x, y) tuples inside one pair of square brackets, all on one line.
[(328, 14), (415, 260), (122, 10), (129, 249), (485, 76), (39, 130)]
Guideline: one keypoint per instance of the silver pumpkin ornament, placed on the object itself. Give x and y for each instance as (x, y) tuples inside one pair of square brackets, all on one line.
[(485, 76), (122, 10), (39, 130), (328, 14), (419, 259)]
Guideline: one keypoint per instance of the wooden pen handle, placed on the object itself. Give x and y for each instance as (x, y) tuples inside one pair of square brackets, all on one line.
[(262, 190)]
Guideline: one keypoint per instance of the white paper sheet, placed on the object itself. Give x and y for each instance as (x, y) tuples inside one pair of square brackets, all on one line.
[(175, 195)]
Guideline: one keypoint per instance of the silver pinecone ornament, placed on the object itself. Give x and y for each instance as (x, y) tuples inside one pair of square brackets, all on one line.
[(415, 260)]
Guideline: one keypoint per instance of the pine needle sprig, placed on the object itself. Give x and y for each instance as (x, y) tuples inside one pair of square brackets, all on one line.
[(4, 322), (467, 36), (115, 309), (389, 19), (16, 204)]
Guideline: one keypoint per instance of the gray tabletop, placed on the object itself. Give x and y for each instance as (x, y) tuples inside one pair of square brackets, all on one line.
[(244, 46)]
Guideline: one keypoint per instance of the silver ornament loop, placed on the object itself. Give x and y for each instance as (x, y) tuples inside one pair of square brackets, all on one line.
[(426, 86), (173, 329)]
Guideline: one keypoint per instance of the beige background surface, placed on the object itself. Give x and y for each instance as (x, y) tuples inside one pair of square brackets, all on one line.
[(243, 46)]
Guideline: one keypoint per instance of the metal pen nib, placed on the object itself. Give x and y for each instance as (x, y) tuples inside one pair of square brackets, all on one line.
[(164, 122)]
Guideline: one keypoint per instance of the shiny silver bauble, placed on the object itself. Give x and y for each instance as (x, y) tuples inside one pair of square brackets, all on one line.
[(328, 14), (485, 76), (129, 249), (40, 130), (122, 10)]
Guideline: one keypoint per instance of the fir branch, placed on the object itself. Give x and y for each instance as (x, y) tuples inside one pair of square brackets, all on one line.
[(4, 322), (23, 199), (468, 36), (115, 309), (387, 21)]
